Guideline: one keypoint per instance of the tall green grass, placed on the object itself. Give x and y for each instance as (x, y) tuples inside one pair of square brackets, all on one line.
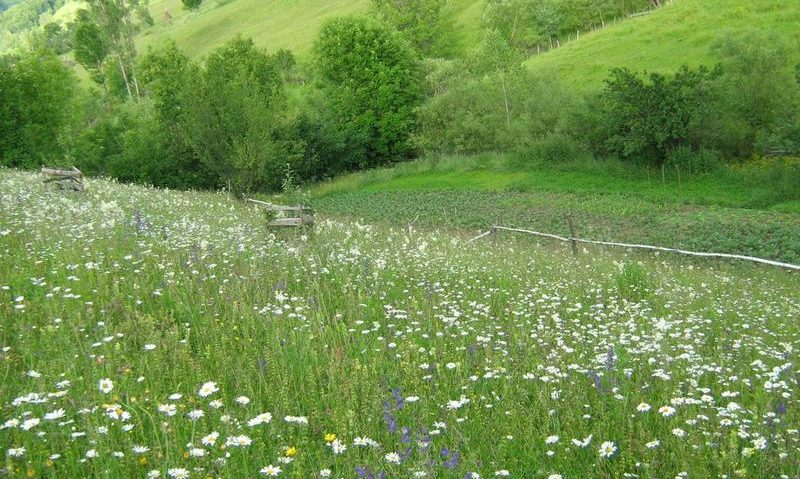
[(151, 333)]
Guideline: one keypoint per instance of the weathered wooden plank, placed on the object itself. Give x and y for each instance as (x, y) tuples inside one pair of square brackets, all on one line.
[(73, 173), (283, 222), (273, 207)]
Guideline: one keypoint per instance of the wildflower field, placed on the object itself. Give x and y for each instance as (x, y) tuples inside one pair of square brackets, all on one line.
[(157, 334)]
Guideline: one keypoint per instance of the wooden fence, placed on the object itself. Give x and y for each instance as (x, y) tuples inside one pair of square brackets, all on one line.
[(575, 241)]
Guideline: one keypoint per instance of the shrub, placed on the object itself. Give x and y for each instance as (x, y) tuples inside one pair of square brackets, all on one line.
[(191, 4), (645, 120), (689, 161), (557, 147), (374, 84), (37, 94), (494, 112)]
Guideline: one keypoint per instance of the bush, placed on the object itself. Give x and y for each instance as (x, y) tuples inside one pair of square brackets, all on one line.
[(557, 147), (495, 112), (691, 162), (780, 176), (645, 120), (756, 97), (231, 118), (37, 93), (191, 4), (374, 84)]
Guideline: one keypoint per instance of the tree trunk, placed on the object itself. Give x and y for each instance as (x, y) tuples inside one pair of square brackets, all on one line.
[(124, 75), (505, 100)]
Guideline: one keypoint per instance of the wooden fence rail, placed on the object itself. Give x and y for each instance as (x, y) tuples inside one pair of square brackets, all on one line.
[(641, 246)]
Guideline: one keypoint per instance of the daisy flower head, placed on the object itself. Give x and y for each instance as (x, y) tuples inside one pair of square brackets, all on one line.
[(338, 447), (168, 409), (263, 418), (207, 389), (197, 452), (666, 411), (53, 415), (582, 442), (195, 414), (760, 443), (105, 385), (270, 471), (15, 452), (392, 458), (210, 439), (607, 449), (178, 473)]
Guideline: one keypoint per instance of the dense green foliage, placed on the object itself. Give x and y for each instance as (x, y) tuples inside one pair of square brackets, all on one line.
[(742, 106), (528, 23), (36, 93), (422, 21), (191, 4), (18, 19), (104, 37), (372, 81), (19, 16), (231, 118), (647, 120)]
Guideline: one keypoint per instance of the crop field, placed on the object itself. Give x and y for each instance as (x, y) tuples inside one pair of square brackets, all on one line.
[(726, 212), (160, 334)]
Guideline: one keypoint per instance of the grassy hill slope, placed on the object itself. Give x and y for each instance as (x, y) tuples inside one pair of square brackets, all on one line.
[(678, 33), (273, 24)]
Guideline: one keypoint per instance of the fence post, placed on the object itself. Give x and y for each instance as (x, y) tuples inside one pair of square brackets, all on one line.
[(572, 235)]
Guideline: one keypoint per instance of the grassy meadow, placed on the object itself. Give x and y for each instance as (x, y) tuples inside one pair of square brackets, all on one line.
[(154, 333), (272, 24), (678, 33)]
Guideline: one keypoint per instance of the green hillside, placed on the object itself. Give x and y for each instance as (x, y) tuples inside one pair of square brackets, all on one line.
[(273, 24), (677, 33)]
